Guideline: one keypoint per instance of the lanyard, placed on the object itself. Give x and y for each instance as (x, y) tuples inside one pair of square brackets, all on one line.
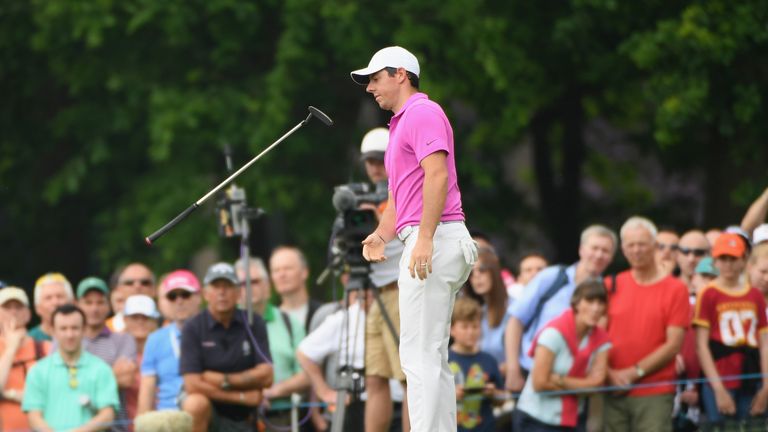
[(174, 341)]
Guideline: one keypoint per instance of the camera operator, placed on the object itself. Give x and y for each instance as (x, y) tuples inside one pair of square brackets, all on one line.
[(382, 360)]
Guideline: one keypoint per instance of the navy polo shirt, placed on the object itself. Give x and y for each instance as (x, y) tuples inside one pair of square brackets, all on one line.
[(207, 345)]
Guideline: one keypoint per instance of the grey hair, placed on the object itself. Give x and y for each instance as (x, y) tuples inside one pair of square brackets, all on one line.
[(639, 222), (599, 230), (51, 279), (252, 262)]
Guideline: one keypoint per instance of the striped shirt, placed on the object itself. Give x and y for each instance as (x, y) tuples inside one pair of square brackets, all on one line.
[(110, 347)]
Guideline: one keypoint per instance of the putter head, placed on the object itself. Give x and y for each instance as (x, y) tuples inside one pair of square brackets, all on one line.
[(320, 116)]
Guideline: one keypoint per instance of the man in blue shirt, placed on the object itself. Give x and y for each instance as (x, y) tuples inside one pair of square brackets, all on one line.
[(546, 297), (161, 382), (70, 388)]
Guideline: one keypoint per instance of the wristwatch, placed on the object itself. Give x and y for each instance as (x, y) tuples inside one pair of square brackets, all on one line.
[(561, 381), (640, 372), (225, 383)]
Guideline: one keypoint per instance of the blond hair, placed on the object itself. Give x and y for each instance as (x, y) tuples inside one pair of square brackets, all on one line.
[(466, 309)]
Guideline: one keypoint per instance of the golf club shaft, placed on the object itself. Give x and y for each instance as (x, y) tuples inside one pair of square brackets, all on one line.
[(157, 234)]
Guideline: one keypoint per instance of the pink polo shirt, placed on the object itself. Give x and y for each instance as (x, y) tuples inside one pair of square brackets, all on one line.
[(419, 129)]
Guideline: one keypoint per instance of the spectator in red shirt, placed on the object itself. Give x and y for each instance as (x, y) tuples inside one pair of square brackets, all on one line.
[(731, 338), (648, 312)]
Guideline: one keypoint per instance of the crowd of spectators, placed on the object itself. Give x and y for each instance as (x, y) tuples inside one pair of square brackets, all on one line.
[(677, 341)]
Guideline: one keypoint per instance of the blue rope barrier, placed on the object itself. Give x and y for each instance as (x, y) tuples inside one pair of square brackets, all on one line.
[(283, 406)]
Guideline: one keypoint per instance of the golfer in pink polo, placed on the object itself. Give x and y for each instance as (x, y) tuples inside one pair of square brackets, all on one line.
[(425, 213)]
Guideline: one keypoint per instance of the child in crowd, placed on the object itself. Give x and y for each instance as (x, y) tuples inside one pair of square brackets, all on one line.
[(485, 285), (731, 338), (476, 372)]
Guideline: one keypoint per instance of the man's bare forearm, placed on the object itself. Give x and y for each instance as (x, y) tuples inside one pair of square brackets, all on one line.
[(662, 355), (36, 421), (147, 389), (193, 383), (99, 422), (706, 360), (386, 228), (434, 192), (512, 337), (253, 379), (295, 384), (314, 373), (756, 213)]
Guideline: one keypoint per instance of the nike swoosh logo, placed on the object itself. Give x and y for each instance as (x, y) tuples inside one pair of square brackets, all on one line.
[(432, 141)]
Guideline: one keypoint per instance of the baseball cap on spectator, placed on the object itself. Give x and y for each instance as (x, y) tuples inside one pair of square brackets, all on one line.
[(13, 293), (180, 279), (374, 144), (735, 229), (729, 244), (50, 278), (92, 283), (394, 56), (760, 234), (706, 266), (221, 270), (140, 304)]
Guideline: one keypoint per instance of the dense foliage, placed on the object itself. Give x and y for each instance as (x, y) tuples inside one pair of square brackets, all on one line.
[(114, 115)]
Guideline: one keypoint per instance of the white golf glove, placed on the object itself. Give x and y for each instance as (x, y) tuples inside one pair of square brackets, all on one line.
[(469, 249)]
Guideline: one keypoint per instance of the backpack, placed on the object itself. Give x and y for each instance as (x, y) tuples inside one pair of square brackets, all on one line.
[(560, 281)]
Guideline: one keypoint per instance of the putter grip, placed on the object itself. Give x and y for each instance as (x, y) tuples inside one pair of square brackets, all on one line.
[(167, 227)]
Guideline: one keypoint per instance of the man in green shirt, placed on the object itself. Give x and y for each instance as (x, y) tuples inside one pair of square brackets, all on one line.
[(70, 389), (283, 340), (284, 332)]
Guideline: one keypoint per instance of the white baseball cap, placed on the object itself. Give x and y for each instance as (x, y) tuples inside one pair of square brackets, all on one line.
[(374, 144), (394, 56), (760, 234), (13, 293), (140, 304)]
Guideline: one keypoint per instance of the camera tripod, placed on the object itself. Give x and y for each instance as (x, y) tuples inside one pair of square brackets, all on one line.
[(349, 380)]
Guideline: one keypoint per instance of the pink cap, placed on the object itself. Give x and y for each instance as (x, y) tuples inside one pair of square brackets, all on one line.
[(180, 279)]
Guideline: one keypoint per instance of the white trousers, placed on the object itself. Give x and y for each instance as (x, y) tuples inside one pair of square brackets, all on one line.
[(425, 320)]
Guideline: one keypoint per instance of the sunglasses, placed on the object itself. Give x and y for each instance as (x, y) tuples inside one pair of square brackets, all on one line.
[(73, 377), (131, 282), (172, 296), (695, 251), (665, 246), (254, 281)]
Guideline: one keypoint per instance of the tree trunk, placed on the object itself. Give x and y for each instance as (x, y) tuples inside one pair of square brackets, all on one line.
[(559, 187)]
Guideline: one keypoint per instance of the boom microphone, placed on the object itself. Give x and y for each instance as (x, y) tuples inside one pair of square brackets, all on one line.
[(344, 199)]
